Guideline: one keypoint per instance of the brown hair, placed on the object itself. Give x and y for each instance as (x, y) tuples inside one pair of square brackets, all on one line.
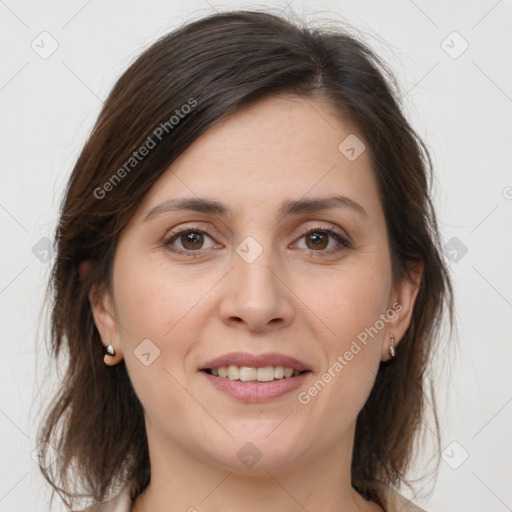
[(217, 65)]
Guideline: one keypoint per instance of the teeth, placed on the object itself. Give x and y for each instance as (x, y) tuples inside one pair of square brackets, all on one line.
[(233, 372), (248, 374), (278, 372), (265, 374)]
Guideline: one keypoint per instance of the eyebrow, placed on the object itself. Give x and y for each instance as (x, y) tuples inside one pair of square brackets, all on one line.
[(289, 207)]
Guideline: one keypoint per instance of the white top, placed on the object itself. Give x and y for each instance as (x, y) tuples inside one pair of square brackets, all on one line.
[(121, 503)]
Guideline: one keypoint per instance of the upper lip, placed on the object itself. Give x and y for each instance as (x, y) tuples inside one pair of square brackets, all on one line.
[(256, 361)]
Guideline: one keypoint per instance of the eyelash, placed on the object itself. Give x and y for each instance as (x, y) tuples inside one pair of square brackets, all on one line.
[(343, 242)]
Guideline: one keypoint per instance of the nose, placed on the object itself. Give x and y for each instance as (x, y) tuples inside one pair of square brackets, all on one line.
[(256, 296)]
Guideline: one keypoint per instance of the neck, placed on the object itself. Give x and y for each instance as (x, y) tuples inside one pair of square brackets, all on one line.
[(181, 481)]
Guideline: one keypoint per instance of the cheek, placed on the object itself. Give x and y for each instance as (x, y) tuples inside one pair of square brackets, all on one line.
[(349, 301), (154, 299), (351, 312), (160, 313)]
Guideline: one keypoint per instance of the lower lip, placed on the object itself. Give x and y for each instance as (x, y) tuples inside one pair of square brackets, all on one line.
[(257, 391)]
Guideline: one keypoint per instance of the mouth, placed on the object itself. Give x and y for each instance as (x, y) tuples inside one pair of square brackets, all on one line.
[(254, 374), (256, 378)]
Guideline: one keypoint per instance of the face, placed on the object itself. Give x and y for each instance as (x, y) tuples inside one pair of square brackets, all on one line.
[(249, 269)]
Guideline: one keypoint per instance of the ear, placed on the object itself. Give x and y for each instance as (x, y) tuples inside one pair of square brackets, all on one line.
[(102, 308), (403, 298)]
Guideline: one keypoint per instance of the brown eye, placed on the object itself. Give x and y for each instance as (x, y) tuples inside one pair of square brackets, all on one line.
[(317, 240), (324, 241), (192, 240)]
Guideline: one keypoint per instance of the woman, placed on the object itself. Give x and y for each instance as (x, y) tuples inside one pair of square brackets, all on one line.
[(248, 286)]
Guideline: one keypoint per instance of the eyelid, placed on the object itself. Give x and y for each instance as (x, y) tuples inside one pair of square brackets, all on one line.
[(181, 230), (326, 227), (320, 226), (331, 229), (344, 242)]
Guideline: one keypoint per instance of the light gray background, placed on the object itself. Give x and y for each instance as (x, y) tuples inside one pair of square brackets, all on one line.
[(461, 103)]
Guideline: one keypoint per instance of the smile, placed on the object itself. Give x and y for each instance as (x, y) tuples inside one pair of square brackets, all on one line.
[(251, 374)]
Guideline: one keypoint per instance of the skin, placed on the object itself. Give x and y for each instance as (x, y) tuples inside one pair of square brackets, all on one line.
[(293, 299)]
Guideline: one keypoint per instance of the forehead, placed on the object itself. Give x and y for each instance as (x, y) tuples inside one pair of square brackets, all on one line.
[(279, 148)]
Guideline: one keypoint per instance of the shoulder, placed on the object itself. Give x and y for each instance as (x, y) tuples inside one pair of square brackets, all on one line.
[(121, 503), (395, 502)]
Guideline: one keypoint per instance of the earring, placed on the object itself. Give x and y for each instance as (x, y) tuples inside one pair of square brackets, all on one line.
[(392, 346), (110, 350)]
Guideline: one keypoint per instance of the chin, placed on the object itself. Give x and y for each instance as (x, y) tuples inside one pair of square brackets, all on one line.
[(258, 449)]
